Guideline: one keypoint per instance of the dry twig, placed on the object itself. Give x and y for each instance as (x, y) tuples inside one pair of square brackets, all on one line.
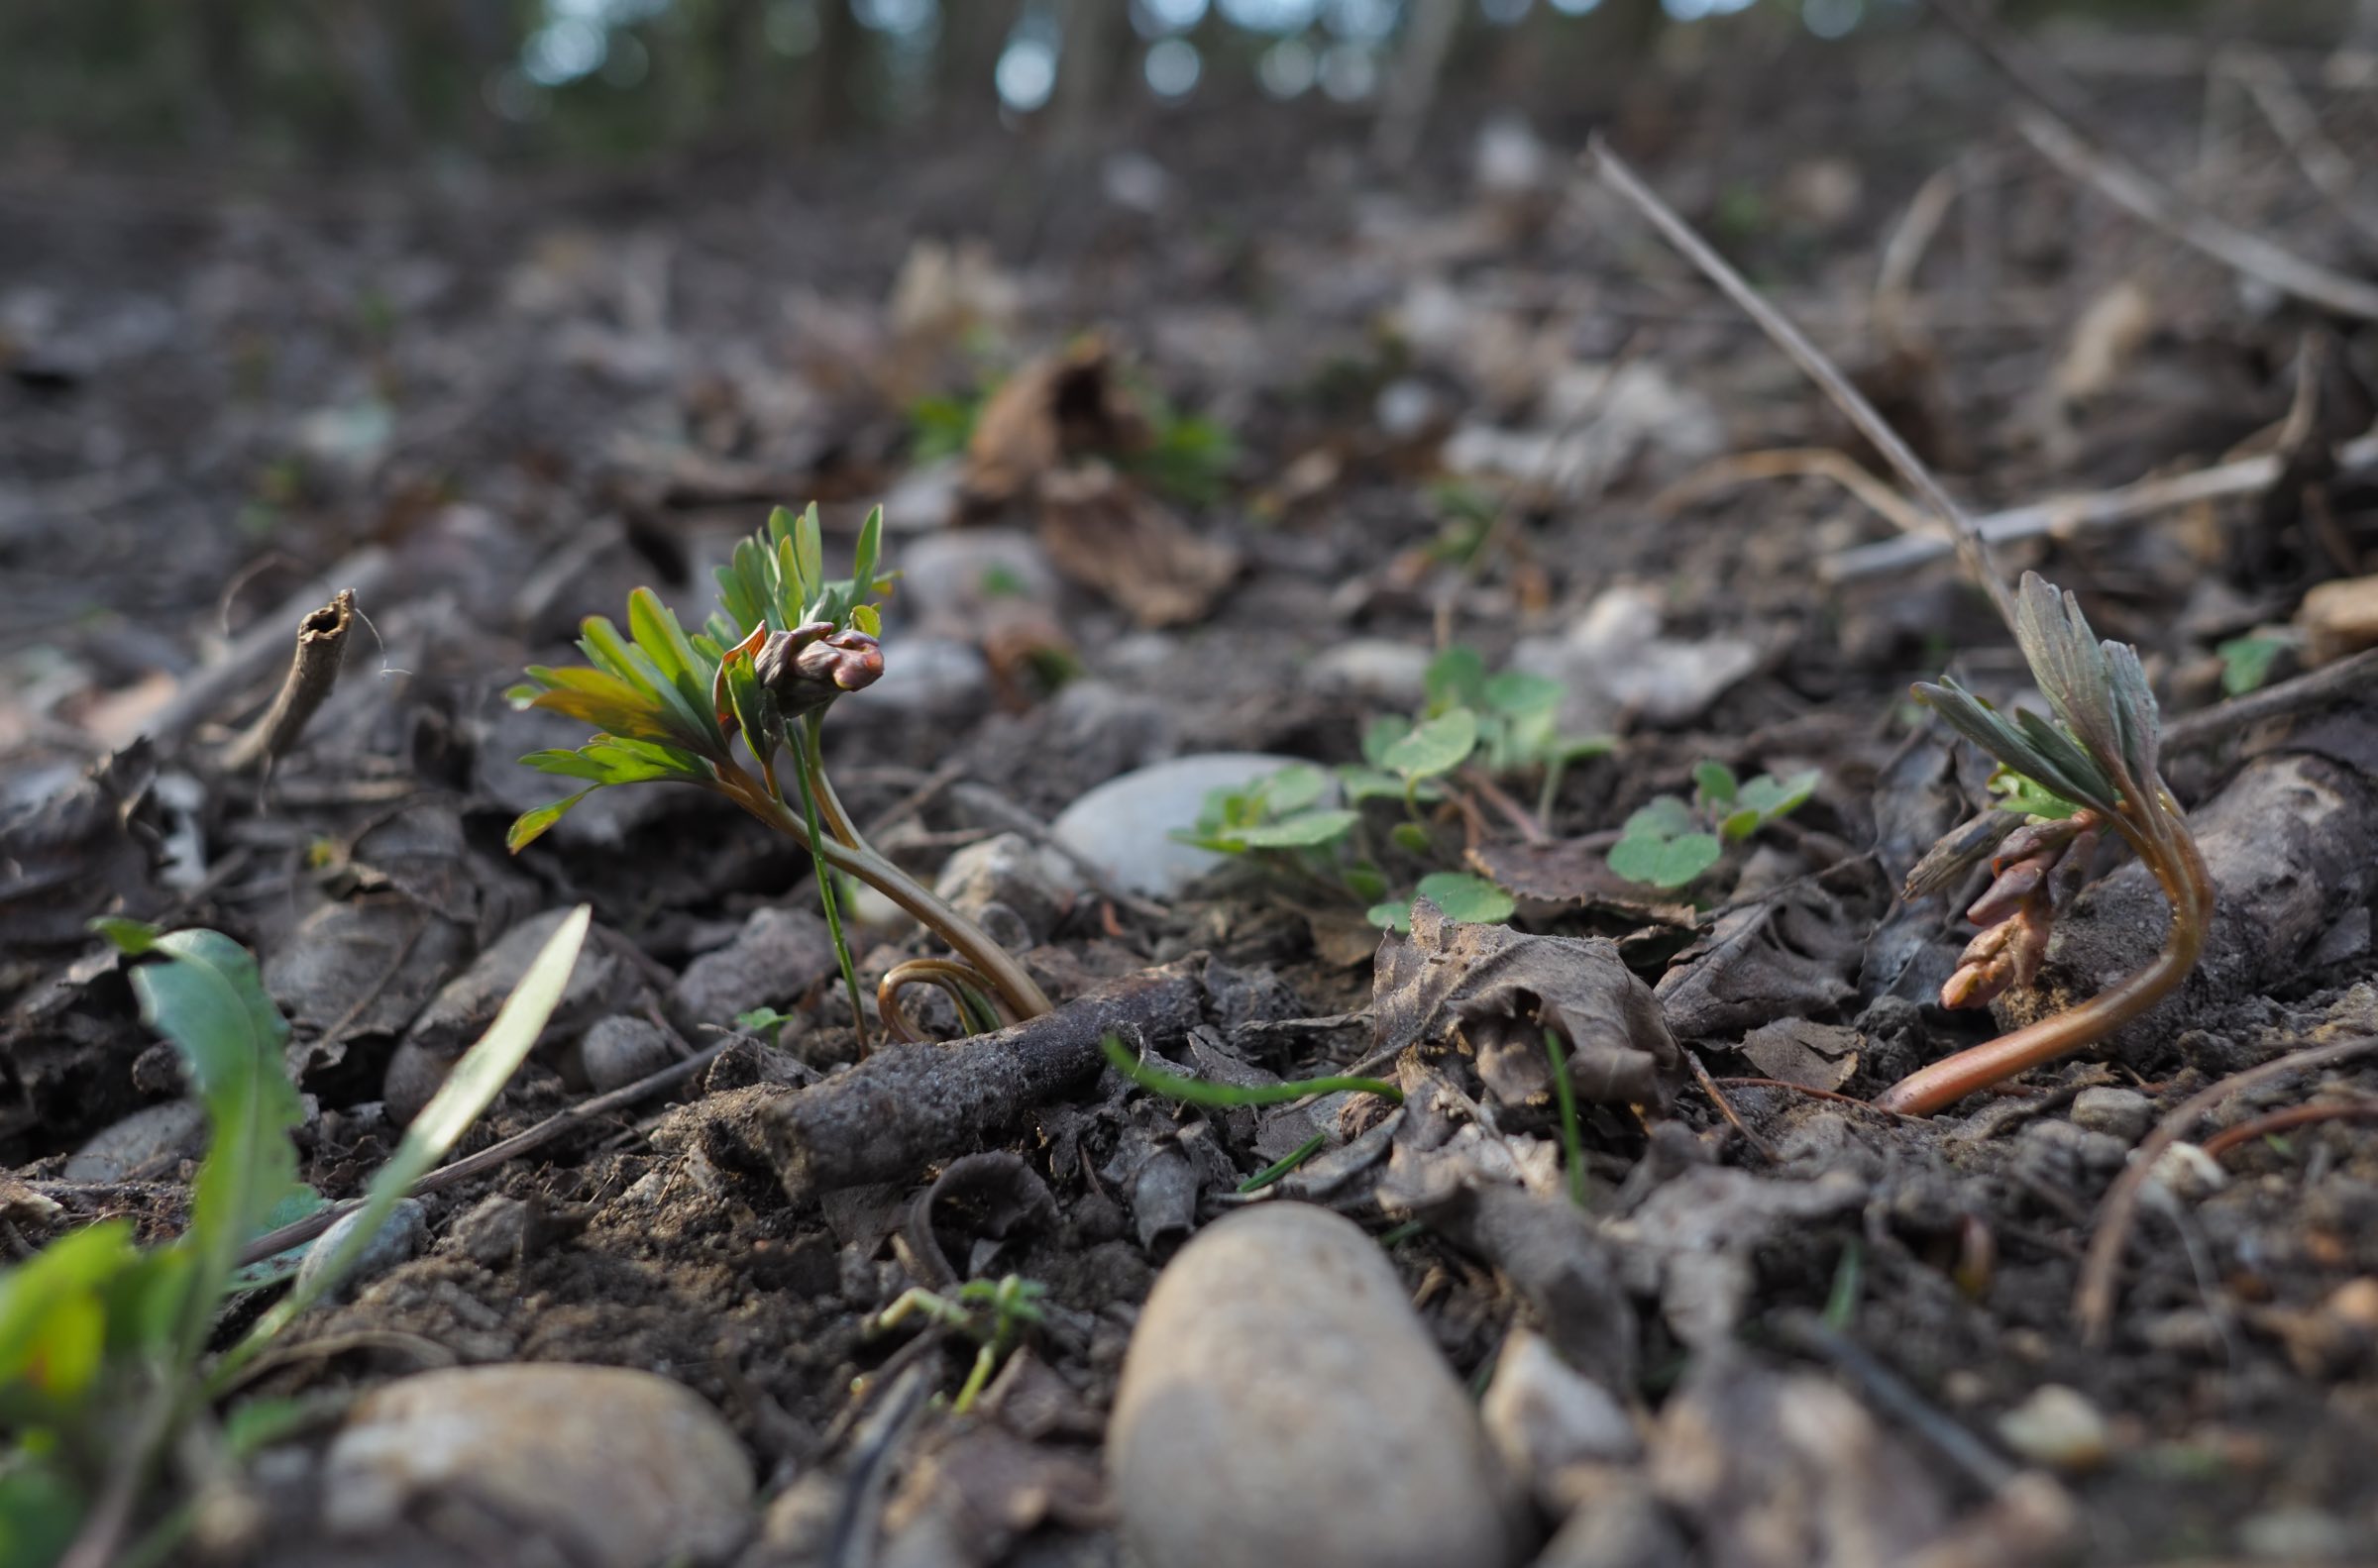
[(2094, 1298)]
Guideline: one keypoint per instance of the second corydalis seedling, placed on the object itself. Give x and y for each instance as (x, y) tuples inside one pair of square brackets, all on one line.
[(2100, 754), (785, 643)]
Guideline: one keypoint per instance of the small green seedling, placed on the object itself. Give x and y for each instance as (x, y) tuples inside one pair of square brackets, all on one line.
[(2246, 662), (1670, 844), (1281, 811), (103, 1367), (765, 1025), (995, 1314), (1474, 900)]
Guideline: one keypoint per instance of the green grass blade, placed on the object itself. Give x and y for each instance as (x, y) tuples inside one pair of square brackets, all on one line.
[(476, 1079), (1198, 1092)]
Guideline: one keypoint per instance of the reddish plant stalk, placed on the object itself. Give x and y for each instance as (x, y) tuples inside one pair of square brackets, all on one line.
[(2169, 852)]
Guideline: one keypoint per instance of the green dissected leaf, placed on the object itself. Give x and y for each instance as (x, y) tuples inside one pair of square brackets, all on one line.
[(1472, 901), (611, 653), (808, 548), (1293, 790), (664, 641), (476, 1079), (870, 547), (1716, 781), (1307, 831), (642, 720), (1456, 676), (207, 999), (1435, 747), (1735, 826), (780, 525), (528, 826), (1664, 862)]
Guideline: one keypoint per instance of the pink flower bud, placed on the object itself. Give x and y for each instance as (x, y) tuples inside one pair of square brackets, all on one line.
[(812, 665)]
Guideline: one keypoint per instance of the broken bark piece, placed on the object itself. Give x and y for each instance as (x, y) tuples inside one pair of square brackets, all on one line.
[(2291, 845), (314, 670), (908, 1105)]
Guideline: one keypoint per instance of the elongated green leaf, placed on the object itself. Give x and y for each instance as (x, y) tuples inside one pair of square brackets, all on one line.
[(1436, 746), (1773, 798), (1716, 782), (207, 999), (602, 643), (654, 723), (529, 827), (476, 1079), (664, 641), (808, 548), (870, 545)]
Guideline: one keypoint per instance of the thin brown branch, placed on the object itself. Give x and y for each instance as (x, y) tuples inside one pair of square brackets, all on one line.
[(2286, 1120), (1970, 545), (2356, 676), (2094, 1298), (2063, 515), (314, 670)]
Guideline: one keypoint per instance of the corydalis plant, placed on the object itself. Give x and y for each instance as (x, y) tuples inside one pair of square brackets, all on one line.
[(2100, 754), (784, 645)]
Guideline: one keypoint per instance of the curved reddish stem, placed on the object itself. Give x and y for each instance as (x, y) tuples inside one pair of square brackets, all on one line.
[(2171, 853)]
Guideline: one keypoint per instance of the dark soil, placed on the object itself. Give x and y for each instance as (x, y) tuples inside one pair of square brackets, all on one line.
[(533, 396)]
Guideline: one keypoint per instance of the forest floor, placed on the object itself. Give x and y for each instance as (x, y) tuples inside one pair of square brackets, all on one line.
[(1331, 427)]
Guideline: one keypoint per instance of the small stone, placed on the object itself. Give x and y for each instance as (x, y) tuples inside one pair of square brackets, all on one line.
[(621, 1049), (1121, 826), (2298, 1536), (1283, 1403), (2057, 1428), (2123, 1113), (1543, 1416), (492, 1232), (602, 1466), (1376, 669), (1008, 871), (2355, 1304), (146, 1137), (2339, 618), (2188, 1173), (400, 1235), (779, 954), (933, 675)]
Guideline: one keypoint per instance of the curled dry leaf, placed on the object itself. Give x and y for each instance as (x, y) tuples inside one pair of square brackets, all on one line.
[(1489, 983)]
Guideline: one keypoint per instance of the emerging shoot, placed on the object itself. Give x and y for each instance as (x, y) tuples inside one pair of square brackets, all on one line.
[(784, 643), (2098, 757)]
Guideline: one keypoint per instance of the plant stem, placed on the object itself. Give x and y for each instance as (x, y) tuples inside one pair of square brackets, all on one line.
[(2171, 853), (809, 772), (1015, 989)]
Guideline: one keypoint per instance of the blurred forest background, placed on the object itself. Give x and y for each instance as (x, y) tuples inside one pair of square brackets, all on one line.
[(262, 86)]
